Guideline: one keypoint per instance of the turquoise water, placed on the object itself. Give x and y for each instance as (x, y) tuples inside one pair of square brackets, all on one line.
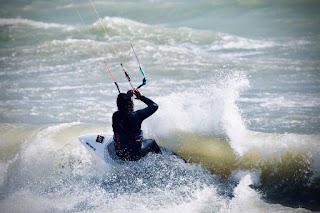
[(245, 72)]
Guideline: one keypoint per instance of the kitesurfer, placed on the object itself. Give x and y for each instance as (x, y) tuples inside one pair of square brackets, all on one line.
[(126, 123)]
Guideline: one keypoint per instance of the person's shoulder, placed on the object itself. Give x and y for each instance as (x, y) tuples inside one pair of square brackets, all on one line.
[(116, 113)]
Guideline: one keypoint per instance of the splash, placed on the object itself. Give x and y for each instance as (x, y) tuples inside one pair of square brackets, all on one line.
[(54, 173), (208, 109)]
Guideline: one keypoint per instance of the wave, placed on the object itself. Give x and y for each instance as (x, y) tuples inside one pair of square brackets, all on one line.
[(121, 28), (216, 152), (232, 42), (121, 32), (286, 166), (19, 34), (50, 159), (51, 165), (33, 24)]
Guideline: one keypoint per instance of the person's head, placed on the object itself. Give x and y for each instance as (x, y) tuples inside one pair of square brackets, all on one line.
[(124, 103)]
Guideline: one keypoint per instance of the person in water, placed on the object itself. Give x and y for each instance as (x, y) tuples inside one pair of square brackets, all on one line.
[(130, 144)]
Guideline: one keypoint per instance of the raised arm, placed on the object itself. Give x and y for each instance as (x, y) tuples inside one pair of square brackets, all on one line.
[(151, 108)]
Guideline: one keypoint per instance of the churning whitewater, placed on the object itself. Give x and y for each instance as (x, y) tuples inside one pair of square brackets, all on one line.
[(238, 88)]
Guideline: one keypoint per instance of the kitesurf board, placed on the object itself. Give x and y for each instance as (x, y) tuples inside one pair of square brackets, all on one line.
[(102, 146)]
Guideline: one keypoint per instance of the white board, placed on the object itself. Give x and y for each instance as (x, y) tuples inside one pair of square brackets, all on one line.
[(102, 146)]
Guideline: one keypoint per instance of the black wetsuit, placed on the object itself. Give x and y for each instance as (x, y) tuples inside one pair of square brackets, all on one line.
[(129, 142)]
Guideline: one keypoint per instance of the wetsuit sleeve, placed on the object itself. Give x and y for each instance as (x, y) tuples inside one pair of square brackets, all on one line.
[(149, 110)]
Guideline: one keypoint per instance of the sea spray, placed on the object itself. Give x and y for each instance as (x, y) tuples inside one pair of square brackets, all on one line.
[(207, 109)]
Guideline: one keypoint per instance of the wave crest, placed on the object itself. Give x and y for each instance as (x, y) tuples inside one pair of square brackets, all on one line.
[(33, 24)]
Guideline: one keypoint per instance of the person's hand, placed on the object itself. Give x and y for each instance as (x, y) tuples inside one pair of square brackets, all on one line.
[(130, 93), (137, 93)]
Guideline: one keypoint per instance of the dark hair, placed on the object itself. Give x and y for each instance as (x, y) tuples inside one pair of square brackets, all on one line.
[(124, 103)]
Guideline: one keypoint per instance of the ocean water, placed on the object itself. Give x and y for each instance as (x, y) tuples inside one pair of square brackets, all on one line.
[(238, 88)]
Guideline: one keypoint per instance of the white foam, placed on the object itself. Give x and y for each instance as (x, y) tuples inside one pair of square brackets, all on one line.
[(235, 42), (57, 174), (247, 199), (34, 24), (208, 109)]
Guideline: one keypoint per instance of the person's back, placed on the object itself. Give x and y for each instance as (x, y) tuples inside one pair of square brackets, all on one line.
[(129, 142)]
